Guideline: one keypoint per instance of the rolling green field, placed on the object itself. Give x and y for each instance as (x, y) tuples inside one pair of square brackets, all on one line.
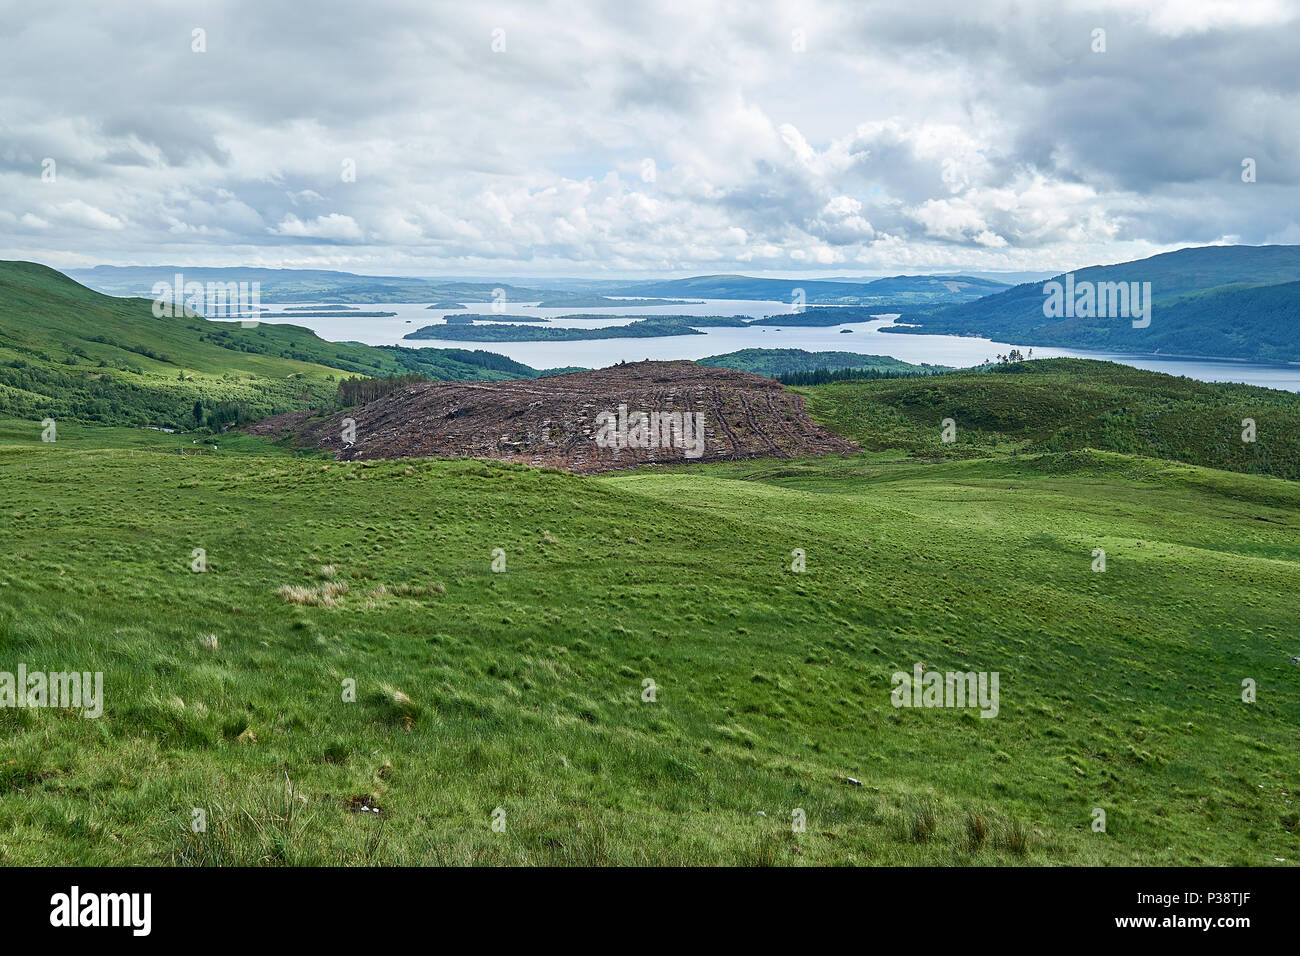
[(523, 690)]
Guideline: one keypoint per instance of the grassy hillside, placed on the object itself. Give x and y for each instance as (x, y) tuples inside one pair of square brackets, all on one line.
[(69, 353), (523, 690), (1065, 405), (1219, 301), (226, 691)]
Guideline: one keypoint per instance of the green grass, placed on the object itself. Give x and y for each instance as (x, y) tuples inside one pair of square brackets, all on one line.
[(1067, 405), (75, 435), (522, 690)]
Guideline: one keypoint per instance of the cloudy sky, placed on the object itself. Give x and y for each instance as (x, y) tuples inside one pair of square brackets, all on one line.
[(618, 138)]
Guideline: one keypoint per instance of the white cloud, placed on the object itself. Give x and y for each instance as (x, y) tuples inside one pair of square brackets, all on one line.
[(1181, 17), (934, 135), (77, 212), (333, 226)]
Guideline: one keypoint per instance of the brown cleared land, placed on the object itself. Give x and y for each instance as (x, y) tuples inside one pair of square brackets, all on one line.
[(552, 421)]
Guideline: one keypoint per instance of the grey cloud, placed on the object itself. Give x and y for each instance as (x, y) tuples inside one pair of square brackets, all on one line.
[(466, 155)]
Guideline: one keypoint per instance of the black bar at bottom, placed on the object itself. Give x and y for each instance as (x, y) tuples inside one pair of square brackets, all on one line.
[(339, 906)]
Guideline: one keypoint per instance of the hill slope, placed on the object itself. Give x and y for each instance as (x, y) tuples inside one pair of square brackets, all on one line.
[(1064, 405), (67, 352), (1217, 301)]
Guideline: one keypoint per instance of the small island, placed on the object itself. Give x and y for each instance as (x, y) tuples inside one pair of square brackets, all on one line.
[(472, 317), (826, 316), (577, 300), (645, 328), (326, 315)]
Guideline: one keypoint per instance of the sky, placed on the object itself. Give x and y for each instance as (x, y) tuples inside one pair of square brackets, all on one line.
[(621, 139)]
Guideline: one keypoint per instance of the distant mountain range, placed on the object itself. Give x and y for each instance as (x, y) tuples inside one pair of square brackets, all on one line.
[(918, 289), (318, 285), (321, 285), (1239, 302)]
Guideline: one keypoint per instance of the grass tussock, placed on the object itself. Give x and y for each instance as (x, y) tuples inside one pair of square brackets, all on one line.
[(325, 595)]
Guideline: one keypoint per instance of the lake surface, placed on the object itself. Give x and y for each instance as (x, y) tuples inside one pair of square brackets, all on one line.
[(863, 337)]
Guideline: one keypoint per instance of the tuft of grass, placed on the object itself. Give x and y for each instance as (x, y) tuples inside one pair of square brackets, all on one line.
[(325, 595), (977, 832), (922, 819), (268, 826), (1013, 837), (395, 707)]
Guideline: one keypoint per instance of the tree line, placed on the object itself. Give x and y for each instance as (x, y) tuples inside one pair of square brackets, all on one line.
[(359, 391), (822, 376)]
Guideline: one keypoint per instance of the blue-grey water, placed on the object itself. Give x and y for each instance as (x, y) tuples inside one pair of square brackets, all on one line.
[(863, 337)]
